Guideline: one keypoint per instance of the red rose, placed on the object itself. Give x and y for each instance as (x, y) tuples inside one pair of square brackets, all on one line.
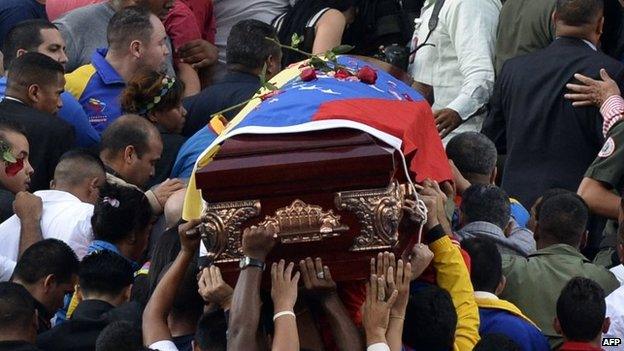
[(13, 168), (270, 95), (342, 73), (367, 75), (308, 75)]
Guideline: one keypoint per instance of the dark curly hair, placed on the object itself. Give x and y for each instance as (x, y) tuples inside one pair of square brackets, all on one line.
[(119, 212)]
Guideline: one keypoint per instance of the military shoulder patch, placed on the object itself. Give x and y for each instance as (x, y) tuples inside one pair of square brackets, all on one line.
[(607, 149)]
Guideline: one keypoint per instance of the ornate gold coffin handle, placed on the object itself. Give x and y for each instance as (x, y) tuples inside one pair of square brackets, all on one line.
[(379, 212)]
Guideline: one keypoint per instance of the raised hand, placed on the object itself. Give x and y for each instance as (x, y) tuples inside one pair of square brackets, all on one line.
[(258, 241), (189, 236), (420, 260), (317, 278), (376, 309), (214, 289), (283, 286)]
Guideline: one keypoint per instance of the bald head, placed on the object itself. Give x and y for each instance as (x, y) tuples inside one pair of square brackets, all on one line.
[(128, 130), (131, 146), (80, 174)]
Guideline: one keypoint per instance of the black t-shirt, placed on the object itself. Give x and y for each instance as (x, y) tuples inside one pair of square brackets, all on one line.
[(17, 346)]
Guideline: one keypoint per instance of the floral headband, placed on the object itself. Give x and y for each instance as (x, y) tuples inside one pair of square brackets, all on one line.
[(167, 83)]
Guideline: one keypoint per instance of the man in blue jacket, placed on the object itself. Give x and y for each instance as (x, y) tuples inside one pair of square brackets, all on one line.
[(498, 316), (43, 37)]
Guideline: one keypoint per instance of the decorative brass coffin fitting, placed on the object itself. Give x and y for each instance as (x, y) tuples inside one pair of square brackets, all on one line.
[(379, 212), (222, 229), (301, 222)]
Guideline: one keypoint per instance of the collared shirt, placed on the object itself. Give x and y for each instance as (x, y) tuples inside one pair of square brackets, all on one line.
[(97, 87), (534, 283), (519, 242), (72, 113), (618, 271), (615, 312), (485, 295), (502, 317), (81, 43), (64, 217), (459, 63), (578, 346)]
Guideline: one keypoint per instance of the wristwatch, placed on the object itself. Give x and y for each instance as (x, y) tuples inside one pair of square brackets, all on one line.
[(248, 261)]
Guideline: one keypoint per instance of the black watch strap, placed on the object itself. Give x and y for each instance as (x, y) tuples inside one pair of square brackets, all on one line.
[(248, 261)]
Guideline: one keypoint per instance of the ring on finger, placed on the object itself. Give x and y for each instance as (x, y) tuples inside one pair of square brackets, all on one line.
[(320, 275)]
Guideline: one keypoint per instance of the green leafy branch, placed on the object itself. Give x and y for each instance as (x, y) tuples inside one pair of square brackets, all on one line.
[(330, 63)]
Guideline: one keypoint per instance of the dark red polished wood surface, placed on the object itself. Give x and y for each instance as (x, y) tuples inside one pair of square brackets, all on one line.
[(312, 167)]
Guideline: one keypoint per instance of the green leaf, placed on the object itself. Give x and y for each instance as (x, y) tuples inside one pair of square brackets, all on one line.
[(263, 74), (270, 86), (330, 55), (8, 156), (342, 49), (295, 40)]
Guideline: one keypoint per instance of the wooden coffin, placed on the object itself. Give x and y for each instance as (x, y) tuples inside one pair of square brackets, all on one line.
[(334, 194)]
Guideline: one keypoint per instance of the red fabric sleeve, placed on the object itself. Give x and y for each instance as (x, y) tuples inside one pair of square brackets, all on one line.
[(181, 25)]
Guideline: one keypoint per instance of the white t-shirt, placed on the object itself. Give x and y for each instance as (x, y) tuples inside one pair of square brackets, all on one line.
[(615, 312), (64, 217), (7, 267), (229, 12), (164, 345)]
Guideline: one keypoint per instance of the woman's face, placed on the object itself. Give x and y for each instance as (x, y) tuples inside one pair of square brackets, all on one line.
[(172, 120)]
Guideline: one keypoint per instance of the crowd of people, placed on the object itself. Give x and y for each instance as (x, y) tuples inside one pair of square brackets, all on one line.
[(106, 106)]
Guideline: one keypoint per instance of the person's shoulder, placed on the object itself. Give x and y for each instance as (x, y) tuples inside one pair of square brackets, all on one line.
[(332, 17), (504, 321), (80, 15), (81, 72), (13, 6)]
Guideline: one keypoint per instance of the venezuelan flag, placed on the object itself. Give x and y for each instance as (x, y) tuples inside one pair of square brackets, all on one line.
[(389, 110)]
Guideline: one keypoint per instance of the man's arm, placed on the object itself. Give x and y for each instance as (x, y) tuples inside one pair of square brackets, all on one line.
[(155, 328), (323, 289), (28, 208), (599, 198), (284, 295), (472, 29), (494, 124), (453, 276), (245, 311), (189, 76)]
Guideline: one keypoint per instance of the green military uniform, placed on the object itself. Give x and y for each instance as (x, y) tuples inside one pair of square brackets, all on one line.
[(524, 26), (608, 168), (534, 283)]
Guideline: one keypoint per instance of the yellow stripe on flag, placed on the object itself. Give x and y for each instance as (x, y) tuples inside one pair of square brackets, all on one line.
[(193, 204)]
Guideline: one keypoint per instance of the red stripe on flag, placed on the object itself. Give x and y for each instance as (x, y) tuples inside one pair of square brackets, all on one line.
[(412, 122)]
